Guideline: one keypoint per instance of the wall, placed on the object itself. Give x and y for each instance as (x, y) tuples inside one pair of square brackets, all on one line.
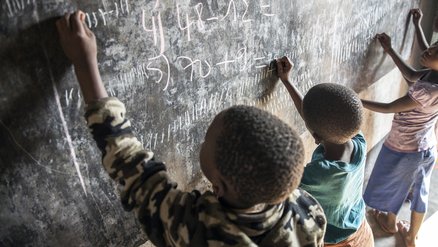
[(175, 64), (392, 85)]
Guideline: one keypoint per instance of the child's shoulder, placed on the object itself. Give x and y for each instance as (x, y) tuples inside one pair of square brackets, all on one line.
[(431, 85), (301, 199), (424, 92), (306, 206)]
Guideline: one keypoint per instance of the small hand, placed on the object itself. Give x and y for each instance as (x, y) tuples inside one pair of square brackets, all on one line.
[(77, 41), (385, 41), (417, 14), (284, 66)]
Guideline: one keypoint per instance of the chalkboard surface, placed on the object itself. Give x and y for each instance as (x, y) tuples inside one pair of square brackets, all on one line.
[(175, 64)]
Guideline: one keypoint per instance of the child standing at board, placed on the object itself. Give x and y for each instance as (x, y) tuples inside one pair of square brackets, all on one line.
[(408, 155), (252, 158), (334, 176)]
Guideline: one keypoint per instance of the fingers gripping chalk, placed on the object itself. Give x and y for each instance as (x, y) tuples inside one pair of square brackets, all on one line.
[(273, 65)]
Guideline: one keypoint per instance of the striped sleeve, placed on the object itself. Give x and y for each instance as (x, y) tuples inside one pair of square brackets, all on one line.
[(145, 186)]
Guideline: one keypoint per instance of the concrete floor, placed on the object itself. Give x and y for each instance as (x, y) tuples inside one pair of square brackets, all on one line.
[(428, 230)]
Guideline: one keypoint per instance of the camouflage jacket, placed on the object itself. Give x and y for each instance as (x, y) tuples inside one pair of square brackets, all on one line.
[(171, 217)]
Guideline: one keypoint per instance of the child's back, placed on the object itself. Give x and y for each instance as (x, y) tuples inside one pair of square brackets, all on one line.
[(335, 174), (337, 185), (333, 115)]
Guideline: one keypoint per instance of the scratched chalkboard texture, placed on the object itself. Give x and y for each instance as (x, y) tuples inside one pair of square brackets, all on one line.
[(175, 64)]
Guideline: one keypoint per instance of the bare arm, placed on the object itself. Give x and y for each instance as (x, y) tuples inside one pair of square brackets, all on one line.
[(417, 15), (144, 184), (410, 74), (79, 45), (284, 66), (402, 104)]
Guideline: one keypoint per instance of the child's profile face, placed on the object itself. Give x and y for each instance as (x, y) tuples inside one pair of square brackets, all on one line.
[(429, 58), (222, 187), (206, 155)]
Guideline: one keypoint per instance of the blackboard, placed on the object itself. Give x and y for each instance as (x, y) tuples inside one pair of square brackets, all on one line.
[(175, 64)]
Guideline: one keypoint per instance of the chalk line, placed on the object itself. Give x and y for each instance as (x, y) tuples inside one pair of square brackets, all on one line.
[(64, 123)]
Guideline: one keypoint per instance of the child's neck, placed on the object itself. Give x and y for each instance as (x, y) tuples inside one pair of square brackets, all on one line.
[(243, 209), (431, 76), (338, 152)]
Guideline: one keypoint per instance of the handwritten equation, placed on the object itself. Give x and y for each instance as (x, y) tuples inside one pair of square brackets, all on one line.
[(159, 68), (183, 52), (188, 18)]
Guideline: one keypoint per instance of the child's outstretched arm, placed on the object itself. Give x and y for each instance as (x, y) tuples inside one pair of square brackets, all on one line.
[(284, 66), (408, 72), (161, 208), (417, 15), (402, 104), (79, 45)]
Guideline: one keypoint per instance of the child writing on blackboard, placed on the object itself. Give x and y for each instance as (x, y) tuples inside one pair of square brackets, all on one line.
[(252, 158), (333, 115), (408, 154)]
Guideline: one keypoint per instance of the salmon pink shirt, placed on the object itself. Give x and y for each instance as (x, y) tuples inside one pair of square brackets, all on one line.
[(414, 130)]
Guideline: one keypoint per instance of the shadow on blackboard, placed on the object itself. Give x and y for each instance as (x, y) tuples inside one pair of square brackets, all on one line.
[(373, 69), (267, 82), (405, 33), (31, 61)]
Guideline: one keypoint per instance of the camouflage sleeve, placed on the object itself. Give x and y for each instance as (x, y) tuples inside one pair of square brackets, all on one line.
[(165, 213)]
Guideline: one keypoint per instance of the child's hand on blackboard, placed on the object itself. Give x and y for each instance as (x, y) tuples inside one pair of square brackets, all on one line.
[(77, 41), (284, 66), (385, 41), (79, 45), (416, 16)]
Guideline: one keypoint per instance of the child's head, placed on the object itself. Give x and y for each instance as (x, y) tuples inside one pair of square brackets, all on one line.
[(251, 157), (429, 57), (332, 112)]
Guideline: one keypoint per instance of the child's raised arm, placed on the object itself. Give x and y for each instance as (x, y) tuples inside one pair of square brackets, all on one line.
[(402, 104), (79, 45), (417, 15), (408, 72), (284, 66), (143, 181)]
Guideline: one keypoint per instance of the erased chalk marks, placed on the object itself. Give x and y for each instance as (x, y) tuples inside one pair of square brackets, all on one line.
[(37, 162)]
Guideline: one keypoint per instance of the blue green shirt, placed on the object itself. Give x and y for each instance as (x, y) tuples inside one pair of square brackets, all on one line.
[(338, 188)]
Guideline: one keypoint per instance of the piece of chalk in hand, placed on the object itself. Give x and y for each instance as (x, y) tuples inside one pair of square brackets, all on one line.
[(273, 65)]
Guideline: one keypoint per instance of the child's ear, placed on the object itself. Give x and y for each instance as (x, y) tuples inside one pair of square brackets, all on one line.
[(220, 188), (317, 138)]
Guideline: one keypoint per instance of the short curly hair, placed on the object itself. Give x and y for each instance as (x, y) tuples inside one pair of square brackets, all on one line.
[(260, 154), (332, 111)]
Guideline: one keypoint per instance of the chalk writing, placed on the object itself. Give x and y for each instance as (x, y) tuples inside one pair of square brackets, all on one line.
[(265, 8), (120, 7), (194, 21), (16, 7), (157, 32), (200, 66)]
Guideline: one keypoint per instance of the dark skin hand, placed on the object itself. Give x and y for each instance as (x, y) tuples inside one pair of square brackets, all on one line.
[(79, 45), (417, 15), (284, 67), (408, 72)]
